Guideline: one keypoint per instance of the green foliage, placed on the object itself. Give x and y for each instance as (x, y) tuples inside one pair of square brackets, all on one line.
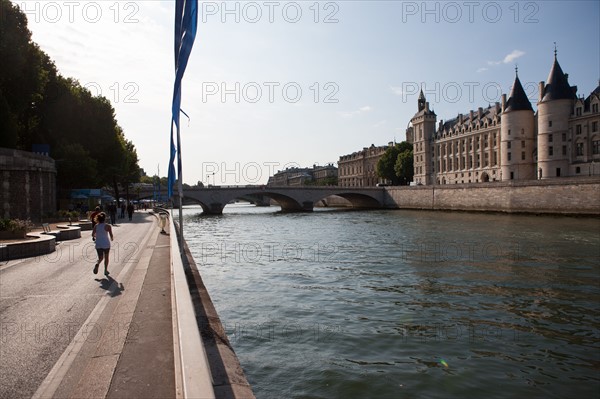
[(39, 106), (148, 179), (68, 214), (15, 225), (77, 168), (404, 167), (387, 163)]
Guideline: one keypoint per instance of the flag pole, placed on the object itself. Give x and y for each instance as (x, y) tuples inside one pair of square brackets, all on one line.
[(180, 189)]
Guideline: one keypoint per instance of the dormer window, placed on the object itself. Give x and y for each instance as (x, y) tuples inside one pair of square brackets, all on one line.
[(578, 111)]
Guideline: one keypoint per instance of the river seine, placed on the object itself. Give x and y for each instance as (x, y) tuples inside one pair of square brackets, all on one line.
[(405, 304)]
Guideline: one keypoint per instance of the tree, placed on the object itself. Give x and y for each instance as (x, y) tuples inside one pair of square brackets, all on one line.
[(404, 167), (76, 167), (22, 76), (39, 106), (387, 162)]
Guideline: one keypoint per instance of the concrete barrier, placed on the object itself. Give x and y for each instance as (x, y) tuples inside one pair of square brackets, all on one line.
[(205, 353), (195, 370)]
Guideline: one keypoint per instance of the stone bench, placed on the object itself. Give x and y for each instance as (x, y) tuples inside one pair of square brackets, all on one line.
[(43, 244), (68, 232), (63, 233), (84, 224)]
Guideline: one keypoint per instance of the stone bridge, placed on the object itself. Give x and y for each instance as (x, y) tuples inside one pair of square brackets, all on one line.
[(291, 199)]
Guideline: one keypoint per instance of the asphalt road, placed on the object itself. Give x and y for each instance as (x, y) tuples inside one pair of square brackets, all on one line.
[(45, 301)]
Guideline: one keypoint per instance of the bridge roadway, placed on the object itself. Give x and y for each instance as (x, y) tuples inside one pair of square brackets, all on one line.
[(291, 199)]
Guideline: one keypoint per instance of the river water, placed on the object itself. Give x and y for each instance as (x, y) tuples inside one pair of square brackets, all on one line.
[(405, 304)]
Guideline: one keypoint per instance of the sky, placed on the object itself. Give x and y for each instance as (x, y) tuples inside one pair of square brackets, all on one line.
[(277, 84)]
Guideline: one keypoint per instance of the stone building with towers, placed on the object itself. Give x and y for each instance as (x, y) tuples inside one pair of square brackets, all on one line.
[(509, 140)]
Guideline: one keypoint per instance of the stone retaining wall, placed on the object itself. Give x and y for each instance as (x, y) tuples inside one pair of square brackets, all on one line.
[(577, 196), (28, 188)]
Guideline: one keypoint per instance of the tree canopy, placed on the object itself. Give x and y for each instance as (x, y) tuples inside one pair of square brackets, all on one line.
[(387, 165), (39, 106)]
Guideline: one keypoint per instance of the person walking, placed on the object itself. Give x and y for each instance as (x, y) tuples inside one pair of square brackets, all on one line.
[(101, 234), (112, 210), (94, 215), (130, 210), (123, 207)]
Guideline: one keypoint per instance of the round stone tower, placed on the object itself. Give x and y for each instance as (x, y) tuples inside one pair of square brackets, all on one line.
[(517, 136), (555, 106)]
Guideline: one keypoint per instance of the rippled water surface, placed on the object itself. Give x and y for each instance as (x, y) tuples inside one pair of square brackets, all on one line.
[(393, 304)]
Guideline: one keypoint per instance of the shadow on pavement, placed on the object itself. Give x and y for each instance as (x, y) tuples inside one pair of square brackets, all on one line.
[(111, 285)]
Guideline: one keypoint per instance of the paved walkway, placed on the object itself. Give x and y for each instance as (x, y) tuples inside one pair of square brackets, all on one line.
[(134, 356)]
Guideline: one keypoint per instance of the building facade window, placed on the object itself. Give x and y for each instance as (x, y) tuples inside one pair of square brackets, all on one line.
[(595, 108), (550, 151), (578, 111), (522, 155), (579, 149), (522, 143), (564, 137), (550, 138), (508, 145), (578, 129), (596, 147), (564, 150), (549, 123), (508, 155), (594, 126)]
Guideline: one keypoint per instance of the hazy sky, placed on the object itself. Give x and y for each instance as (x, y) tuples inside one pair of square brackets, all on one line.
[(275, 83)]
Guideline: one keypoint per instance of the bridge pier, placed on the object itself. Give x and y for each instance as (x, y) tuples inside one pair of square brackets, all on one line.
[(306, 206), (215, 208)]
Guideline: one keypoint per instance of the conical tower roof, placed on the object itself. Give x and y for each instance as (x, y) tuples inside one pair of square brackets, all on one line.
[(518, 100), (557, 86)]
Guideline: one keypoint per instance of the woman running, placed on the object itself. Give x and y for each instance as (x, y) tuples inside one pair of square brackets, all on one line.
[(100, 234)]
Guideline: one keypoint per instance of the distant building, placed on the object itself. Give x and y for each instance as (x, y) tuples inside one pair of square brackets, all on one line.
[(317, 175), (508, 141), (359, 169), (325, 175)]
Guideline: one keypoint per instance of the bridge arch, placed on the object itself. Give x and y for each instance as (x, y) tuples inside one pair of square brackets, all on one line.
[(357, 200), (291, 199)]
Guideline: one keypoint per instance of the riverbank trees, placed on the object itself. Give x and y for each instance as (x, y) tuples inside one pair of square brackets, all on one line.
[(396, 164), (40, 106)]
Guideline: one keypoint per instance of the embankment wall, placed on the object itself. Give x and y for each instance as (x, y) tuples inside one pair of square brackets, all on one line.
[(579, 196)]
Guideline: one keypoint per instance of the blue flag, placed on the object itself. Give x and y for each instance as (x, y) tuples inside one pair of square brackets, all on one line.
[(186, 24)]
